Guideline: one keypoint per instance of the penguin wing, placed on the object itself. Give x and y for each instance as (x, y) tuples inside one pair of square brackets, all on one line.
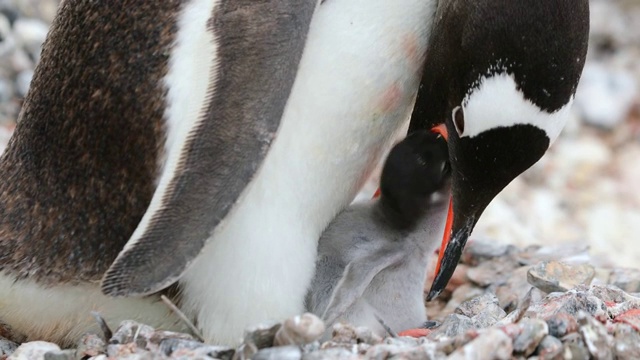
[(356, 278), (213, 155)]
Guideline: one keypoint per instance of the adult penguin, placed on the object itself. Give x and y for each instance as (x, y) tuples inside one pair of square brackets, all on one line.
[(203, 142), (499, 81)]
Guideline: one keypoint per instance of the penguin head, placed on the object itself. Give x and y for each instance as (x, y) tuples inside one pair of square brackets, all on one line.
[(493, 136), (414, 175), (499, 80)]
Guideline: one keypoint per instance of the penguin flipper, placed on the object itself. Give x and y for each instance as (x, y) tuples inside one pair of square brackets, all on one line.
[(356, 277), (257, 48)]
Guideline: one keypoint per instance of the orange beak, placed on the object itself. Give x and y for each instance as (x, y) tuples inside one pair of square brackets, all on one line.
[(442, 130)]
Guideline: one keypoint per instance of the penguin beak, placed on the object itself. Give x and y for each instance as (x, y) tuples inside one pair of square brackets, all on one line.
[(481, 167), (445, 266), (453, 242)]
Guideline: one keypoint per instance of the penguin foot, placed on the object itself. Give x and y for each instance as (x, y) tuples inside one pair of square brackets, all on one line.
[(415, 333)]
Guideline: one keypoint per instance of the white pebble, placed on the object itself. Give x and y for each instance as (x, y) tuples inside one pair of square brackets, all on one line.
[(34, 350)]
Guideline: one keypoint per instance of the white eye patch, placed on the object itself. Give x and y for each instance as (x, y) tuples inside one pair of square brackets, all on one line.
[(497, 102)]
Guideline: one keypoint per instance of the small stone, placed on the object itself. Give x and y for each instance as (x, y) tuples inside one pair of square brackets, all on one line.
[(483, 310), (574, 347), (344, 334), (7, 347), (511, 292), (171, 345), (332, 353), (605, 96), (23, 82), (395, 351), (562, 324), (476, 305), (595, 336), (261, 335), (60, 355), (555, 276), (365, 335), (20, 61), (120, 350), (279, 353), (31, 33), (550, 348), (7, 90), (453, 325), (464, 292), (532, 333), (203, 352), (489, 345), (535, 254), (609, 293), (130, 331), (490, 272), (33, 350), (479, 251), (299, 330), (631, 317), (156, 339), (91, 345), (626, 279), (99, 357), (627, 342), (570, 303)]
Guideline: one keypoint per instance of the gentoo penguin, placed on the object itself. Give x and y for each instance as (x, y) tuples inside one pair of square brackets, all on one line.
[(202, 142), (499, 80), (372, 259)]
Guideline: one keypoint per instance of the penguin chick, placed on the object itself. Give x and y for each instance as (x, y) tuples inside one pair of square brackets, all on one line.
[(372, 259)]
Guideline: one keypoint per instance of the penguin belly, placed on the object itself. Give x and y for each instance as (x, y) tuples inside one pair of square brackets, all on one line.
[(354, 90), (62, 313)]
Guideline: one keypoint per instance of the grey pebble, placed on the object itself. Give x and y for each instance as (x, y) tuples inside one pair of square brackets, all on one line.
[(556, 276), (493, 344), (550, 348), (279, 353), (532, 333), (452, 325)]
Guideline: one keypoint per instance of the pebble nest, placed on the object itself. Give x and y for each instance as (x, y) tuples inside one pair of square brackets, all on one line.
[(516, 301), (503, 302)]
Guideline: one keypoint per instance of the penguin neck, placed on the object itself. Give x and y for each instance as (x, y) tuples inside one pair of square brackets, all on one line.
[(401, 218)]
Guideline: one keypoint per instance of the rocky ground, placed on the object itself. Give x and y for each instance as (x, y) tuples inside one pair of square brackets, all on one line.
[(504, 301)]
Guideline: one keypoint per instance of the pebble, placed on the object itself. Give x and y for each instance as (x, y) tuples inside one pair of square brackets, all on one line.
[(626, 279), (279, 353), (69, 354), (595, 336), (23, 81), (31, 33), (34, 350), (492, 344), (299, 330), (484, 310), (91, 345), (556, 276), (627, 342), (597, 321), (7, 347), (550, 348), (605, 95), (453, 325), (532, 331)]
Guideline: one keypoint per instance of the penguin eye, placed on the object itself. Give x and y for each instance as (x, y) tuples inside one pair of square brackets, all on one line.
[(458, 120)]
